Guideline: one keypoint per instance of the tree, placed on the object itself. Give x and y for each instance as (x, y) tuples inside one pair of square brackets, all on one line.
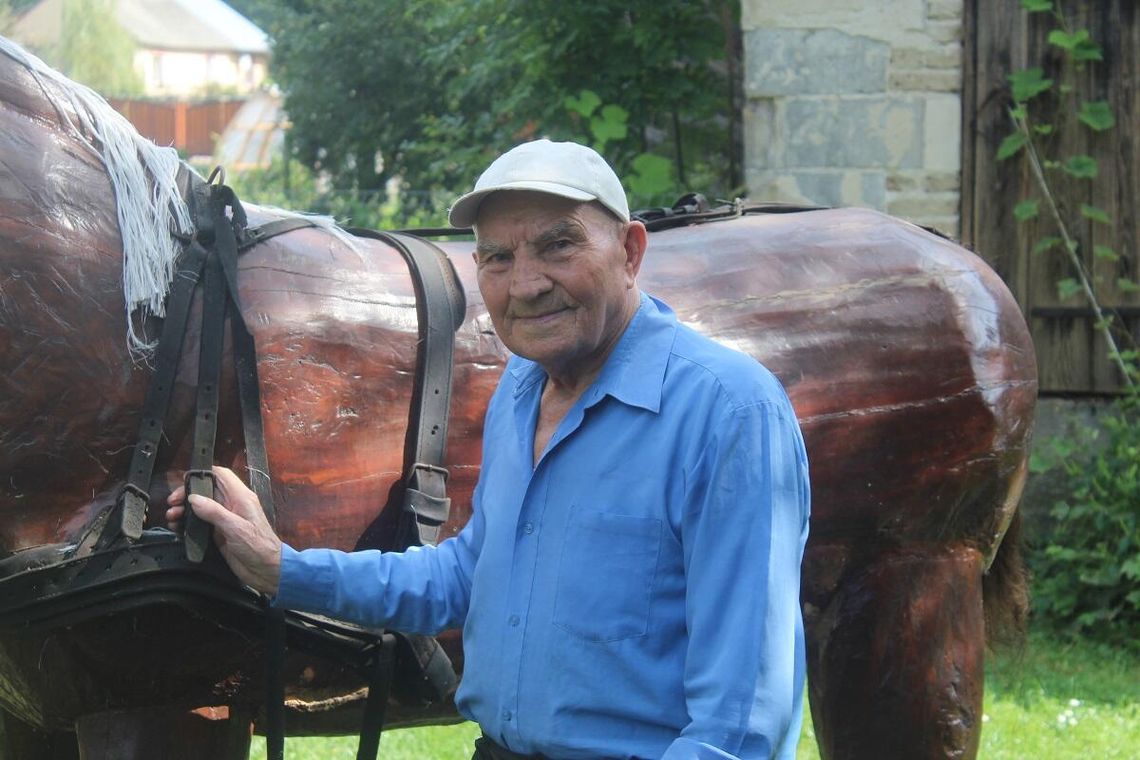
[(431, 90), (94, 49)]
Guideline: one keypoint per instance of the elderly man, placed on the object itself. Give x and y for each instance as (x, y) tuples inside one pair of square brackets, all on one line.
[(628, 584)]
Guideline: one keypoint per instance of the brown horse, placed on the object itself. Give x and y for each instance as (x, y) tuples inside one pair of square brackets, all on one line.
[(906, 359)]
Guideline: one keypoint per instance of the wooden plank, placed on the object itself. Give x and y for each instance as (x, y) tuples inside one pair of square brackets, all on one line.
[(1001, 38)]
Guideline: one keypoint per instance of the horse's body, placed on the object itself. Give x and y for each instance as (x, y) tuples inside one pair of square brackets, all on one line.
[(905, 357)]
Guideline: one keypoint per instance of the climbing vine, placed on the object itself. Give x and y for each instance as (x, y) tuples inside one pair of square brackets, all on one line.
[(1032, 122), (1087, 564)]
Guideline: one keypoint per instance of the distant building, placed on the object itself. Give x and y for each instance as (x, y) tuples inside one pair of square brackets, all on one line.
[(184, 48)]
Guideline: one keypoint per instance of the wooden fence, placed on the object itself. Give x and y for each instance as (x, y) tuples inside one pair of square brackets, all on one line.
[(192, 128), (1002, 38)]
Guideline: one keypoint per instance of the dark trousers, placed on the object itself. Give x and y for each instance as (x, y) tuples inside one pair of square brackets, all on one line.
[(485, 749)]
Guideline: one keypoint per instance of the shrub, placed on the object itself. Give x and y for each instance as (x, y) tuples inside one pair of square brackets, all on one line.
[(1087, 565)]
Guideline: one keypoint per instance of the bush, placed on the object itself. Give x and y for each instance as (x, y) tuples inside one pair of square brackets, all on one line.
[(1087, 565)]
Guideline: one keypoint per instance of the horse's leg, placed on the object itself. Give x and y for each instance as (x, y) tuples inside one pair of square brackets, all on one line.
[(19, 741), (895, 660), (142, 734)]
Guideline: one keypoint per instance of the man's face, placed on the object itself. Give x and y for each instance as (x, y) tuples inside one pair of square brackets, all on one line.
[(558, 277)]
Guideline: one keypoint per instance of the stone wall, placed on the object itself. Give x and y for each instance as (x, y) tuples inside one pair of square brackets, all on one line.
[(855, 103)]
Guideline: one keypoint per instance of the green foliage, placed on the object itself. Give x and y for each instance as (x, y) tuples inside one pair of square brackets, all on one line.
[(1078, 44), (1067, 287), (1028, 84), (1095, 214), (1041, 112), (1011, 145), (1087, 567), (1081, 167), (1097, 115), (430, 91), (95, 50), (1025, 210), (292, 185)]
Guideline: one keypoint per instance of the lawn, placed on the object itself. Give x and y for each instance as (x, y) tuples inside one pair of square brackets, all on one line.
[(1053, 701)]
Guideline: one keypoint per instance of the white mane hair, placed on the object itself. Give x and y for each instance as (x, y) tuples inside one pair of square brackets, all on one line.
[(149, 207), (151, 211)]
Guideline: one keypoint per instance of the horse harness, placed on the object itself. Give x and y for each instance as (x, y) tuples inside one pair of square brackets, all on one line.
[(117, 565)]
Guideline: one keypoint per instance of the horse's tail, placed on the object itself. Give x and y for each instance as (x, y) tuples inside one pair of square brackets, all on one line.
[(1005, 591)]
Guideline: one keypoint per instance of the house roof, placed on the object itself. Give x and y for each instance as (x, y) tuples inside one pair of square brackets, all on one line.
[(188, 25)]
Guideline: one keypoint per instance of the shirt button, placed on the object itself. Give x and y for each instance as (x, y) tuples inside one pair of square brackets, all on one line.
[(528, 528), (506, 714), (514, 620)]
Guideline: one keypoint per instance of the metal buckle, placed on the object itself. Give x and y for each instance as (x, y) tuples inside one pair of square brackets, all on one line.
[(132, 502), (193, 477)]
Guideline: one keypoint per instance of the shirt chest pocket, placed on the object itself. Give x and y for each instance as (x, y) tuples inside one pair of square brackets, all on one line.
[(606, 575)]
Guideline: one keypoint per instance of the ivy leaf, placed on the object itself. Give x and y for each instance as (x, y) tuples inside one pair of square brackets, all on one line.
[(652, 175), (584, 104), (1079, 44), (1081, 167), (1095, 214), (1067, 288), (1011, 145), (1103, 324), (1045, 243), (609, 125), (1029, 83), (1043, 129), (1105, 252), (1025, 210), (1125, 285), (1097, 115), (1036, 6)]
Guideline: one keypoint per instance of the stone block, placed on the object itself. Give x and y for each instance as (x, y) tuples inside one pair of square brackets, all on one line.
[(944, 9), (908, 57), (763, 142), (804, 62), (942, 182), (942, 135), (870, 133), (943, 57), (950, 226), (850, 188), (944, 32), (925, 80), (774, 186), (882, 21), (920, 205), (905, 181)]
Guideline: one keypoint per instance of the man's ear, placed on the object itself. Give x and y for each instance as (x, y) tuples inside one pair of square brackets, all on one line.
[(635, 241)]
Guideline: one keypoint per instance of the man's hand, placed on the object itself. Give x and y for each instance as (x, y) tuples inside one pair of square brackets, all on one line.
[(243, 535)]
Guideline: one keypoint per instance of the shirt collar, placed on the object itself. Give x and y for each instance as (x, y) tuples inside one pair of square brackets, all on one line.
[(634, 372)]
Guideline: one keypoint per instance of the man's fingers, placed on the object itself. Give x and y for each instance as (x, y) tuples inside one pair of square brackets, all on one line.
[(177, 496), (237, 496), (213, 512)]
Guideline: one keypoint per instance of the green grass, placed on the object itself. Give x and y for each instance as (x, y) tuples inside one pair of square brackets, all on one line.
[(1053, 701)]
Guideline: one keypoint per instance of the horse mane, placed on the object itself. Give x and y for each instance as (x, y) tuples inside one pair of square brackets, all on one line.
[(151, 212)]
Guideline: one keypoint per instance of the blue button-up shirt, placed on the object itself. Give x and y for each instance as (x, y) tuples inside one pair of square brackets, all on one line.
[(634, 593)]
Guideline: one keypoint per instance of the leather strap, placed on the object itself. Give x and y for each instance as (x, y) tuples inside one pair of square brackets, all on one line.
[(440, 308), (133, 498), (199, 478)]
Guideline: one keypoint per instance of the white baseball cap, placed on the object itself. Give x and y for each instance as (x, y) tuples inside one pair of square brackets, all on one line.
[(566, 169)]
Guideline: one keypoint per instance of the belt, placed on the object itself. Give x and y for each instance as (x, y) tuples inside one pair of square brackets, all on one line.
[(486, 749)]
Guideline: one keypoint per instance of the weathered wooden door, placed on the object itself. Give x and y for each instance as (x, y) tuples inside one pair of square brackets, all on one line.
[(1000, 37)]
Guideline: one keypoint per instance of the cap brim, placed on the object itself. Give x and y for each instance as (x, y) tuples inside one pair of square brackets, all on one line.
[(465, 211)]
